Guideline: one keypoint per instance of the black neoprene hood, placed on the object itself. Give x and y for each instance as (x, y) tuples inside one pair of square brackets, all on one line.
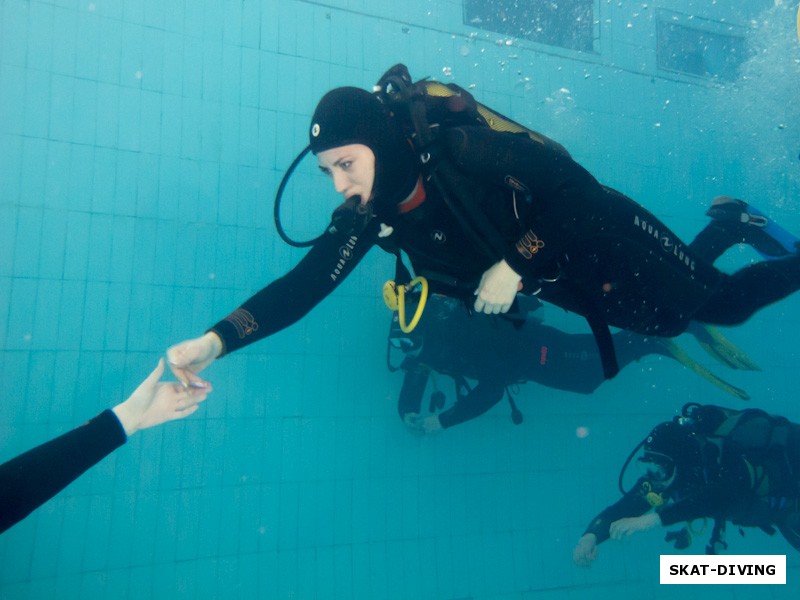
[(347, 115), (675, 441), (350, 115)]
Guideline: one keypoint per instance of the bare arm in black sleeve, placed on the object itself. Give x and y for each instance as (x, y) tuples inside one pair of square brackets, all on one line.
[(632, 504), (32, 478), (476, 402), (700, 499)]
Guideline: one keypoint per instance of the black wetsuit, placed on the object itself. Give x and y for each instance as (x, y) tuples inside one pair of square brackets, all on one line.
[(748, 488), (32, 478), (498, 351), (590, 249)]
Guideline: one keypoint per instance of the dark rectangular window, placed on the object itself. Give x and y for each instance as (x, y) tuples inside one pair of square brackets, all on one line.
[(564, 23), (704, 48)]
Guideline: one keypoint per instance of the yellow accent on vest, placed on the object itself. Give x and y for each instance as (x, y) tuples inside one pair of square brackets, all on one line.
[(395, 299), (495, 121), (653, 498)]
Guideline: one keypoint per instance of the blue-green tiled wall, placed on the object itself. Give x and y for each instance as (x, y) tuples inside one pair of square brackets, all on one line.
[(141, 144)]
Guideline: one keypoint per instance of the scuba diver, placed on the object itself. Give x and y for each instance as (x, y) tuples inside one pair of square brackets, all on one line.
[(484, 214), (487, 356), (709, 463)]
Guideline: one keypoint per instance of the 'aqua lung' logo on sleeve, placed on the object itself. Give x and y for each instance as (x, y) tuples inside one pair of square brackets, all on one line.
[(668, 244), (345, 254)]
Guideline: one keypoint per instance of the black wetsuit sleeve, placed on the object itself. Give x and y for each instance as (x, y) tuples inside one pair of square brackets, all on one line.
[(557, 188), (32, 478), (289, 298), (632, 504), (707, 503), (475, 403), (712, 499)]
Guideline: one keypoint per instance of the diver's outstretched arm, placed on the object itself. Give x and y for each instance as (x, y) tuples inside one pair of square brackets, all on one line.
[(586, 550), (279, 305), (475, 403), (626, 526), (414, 383)]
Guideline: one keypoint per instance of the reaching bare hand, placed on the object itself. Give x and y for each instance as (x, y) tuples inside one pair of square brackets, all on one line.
[(585, 552), (155, 402)]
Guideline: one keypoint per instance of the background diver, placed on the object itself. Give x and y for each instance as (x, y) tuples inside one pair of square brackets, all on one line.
[(482, 214), (710, 463), (486, 355), (500, 351)]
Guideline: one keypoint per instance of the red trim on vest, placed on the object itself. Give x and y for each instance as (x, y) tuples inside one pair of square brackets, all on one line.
[(416, 198)]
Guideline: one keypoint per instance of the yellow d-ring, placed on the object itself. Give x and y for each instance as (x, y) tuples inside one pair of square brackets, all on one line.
[(395, 299), (401, 298)]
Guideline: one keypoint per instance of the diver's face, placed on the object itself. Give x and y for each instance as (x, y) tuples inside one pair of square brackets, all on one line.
[(658, 469), (352, 169)]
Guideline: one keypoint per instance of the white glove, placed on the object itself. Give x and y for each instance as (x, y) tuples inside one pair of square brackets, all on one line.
[(497, 289)]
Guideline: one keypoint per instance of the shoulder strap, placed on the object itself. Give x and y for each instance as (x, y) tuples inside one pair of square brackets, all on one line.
[(602, 335), (398, 90)]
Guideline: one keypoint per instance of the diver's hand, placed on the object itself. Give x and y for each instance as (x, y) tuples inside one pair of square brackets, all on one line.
[(629, 525), (497, 289), (585, 552), (431, 424), (156, 402), (413, 421), (192, 356), (418, 424)]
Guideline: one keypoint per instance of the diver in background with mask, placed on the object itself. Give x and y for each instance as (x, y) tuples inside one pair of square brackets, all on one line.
[(486, 357), (710, 463)]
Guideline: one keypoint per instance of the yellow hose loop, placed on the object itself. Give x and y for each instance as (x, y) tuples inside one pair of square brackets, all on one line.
[(401, 297)]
